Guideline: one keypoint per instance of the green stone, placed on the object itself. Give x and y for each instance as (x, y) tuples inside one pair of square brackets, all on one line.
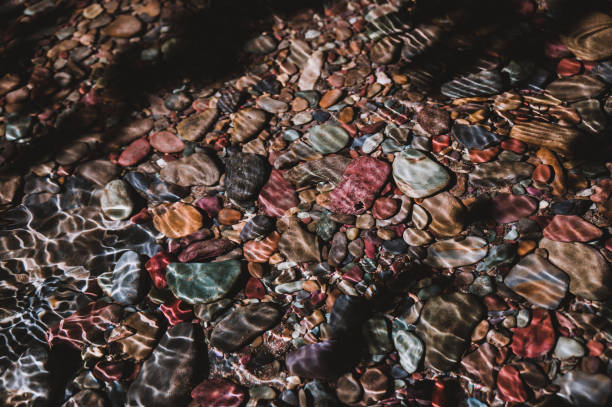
[(326, 228), (418, 176), (202, 282), (328, 139)]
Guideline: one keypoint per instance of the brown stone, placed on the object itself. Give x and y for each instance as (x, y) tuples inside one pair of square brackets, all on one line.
[(228, 216), (447, 212), (175, 220)]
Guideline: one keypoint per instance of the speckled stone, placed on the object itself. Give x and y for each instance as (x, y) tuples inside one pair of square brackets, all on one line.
[(571, 228), (537, 280), (195, 169), (202, 282), (433, 120), (244, 324), (116, 202), (327, 139), (418, 176), (451, 253)]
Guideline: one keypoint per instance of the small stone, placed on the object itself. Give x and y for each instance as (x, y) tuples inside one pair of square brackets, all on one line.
[(311, 71), (177, 101), (195, 126), (260, 251), (410, 349), (571, 228), (567, 348), (277, 196), (543, 174), (271, 105), (451, 253), (510, 385), (433, 120), (134, 153), (166, 142), (376, 334), (205, 249), (375, 384), (448, 214), (417, 176), (245, 175), (175, 220), (298, 245), (123, 26), (348, 389), (475, 137), (227, 216), (385, 51), (384, 208), (116, 202), (415, 237), (330, 98), (327, 139), (218, 392), (195, 169), (257, 227), (202, 282)]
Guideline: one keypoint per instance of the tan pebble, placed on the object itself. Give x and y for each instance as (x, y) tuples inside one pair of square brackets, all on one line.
[(299, 104), (497, 338), (256, 269), (480, 331), (386, 234), (365, 221), (352, 233)]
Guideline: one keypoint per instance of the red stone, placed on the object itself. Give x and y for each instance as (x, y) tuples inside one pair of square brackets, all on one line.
[(354, 275), (483, 156), (166, 142), (363, 178), (510, 385), (156, 267), (595, 348), (439, 143), (110, 371), (254, 289), (514, 145), (134, 153), (384, 208), (210, 204), (218, 392), (278, 195), (372, 128), (569, 67), (141, 217), (603, 191), (534, 340), (506, 208), (543, 173), (176, 312), (571, 228)]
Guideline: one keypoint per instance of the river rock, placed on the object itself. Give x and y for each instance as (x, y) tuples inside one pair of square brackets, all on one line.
[(363, 178), (244, 324), (571, 228), (246, 174), (475, 137), (409, 348), (434, 120), (134, 153), (116, 202), (202, 282), (538, 281), (452, 253), (328, 169), (27, 381), (167, 377), (483, 83), (537, 338), (130, 281), (327, 139), (418, 176), (100, 172), (322, 360), (146, 330), (510, 386), (500, 173), (445, 327), (507, 208), (271, 105), (589, 36), (195, 126), (299, 245), (480, 364), (385, 51), (590, 274), (247, 123), (205, 249), (166, 142), (312, 71), (416, 237), (562, 140), (277, 196), (448, 214), (218, 392), (176, 220), (123, 26), (585, 390), (259, 251), (195, 169), (567, 348), (257, 227)]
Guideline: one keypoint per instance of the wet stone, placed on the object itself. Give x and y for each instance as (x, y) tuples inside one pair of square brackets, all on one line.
[(483, 83), (582, 389), (480, 364), (348, 390), (123, 26), (418, 176), (576, 88), (177, 101), (243, 325), (451, 253), (277, 196), (116, 202), (26, 381), (245, 175), (435, 121), (409, 348), (328, 169), (257, 227), (176, 220), (247, 123), (510, 386), (299, 245), (218, 392), (571, 228), (559, 139), (448, 215), (134, 153), (327, 139), (537, 280), (537, 338), (129, 278), (476, 137), (263, 44), (499, 173), (204, 250), (507, 208), (202, 282), (376, 334), (567, 348), (195, 126)]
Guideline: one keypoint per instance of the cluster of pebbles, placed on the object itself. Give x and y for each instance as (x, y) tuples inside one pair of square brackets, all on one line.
[(384, 208)]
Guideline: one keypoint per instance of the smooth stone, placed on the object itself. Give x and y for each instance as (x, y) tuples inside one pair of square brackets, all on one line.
[(376, 333), (347, 316), (483, 83), (590, 273), (18, 127), (500, 255), (409, 348), (133, 130), (499, 173), (420, 217), (202, 282), (178, 101), (536, 339), (375, 384), (245, 175), (371, 143), (330, 98), (480, 364), (134, 153), (482, 285), (247, 123), (593, 117), (575, 88), (384, 208), (338, 249), (361, 181), (327, 139), (261, 45), (195, 126), (538, 281), (195, 169), (510, 386), (298, 245), (272, 106), (507, 208), (146, 329), (562, 140), (475, 137), (243, 325), (385, 51), (115, 201), (445, 326), (298, 151), (204, 250), (10, 187), (543, 174), (452, 253), (585, 390), (257, 227), (448, 214), (129, 279), (589, 36), (259, 251), (123, 26), (73, 153), (348, 389), (311, 71), (175, 220), (218, 392), (277, 196), (166, 142), (567, 348), (153, 189), (434, 120), (415, 237), (571, 228), (228, 216), (321, 360), (167, 377), (417, 176), (328, 169)]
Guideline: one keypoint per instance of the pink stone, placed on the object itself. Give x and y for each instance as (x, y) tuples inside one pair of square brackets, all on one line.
[(439, 143), (534, 340), (218, 392), (571, 228), (514, 145), (510, 385), (210, 204), (278, 195), (506, 208), (542, 173), (569, 67), (483, 156), (363, 178), (166, 142), (384, 208), (134, 153)]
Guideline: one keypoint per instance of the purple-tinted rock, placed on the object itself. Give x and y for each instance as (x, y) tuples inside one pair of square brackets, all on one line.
[(277, 196), (506, 208)]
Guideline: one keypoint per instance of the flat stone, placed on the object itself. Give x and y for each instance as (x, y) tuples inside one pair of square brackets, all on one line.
[(538, 281), (129, 278), (483, 83), (166, 142), (270, 105), (476, 137), (244, 324), (123, 26), (589, 36), (298, 245), (327, 139), (415, 237), (583, 389), (448, 214), (384, 208), (245, 175), (445, 326), (451, 253), (312, 71), (330, 98), (507, 208), (500, 173), (116, 201), (537, 338), (167, 377), (195, 126), (205, 249), (567, 348), (322, 360), (202, 282), (259, 251), (218, 392), (134, 153), (247, 123), (575, 88), (348, 390), (195, 169), (562, 140), (146, 331), (409, 348), (362, 180), (328, 169), (433, 120), (543, 174), (277, 196), (257, 227), (376, 334), (590, 274), (510, 386), (480, 364), (571, 228), (175, 220), (417, 176)]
